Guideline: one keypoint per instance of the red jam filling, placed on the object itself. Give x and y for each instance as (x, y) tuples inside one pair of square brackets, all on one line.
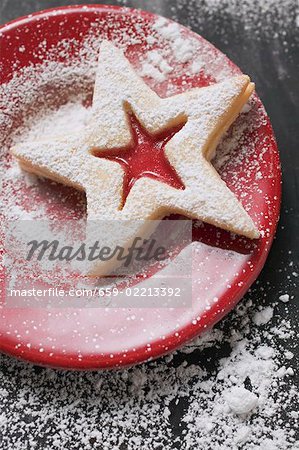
[(145, 157)]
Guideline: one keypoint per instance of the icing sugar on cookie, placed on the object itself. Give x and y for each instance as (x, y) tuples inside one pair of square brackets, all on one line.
[(97, 161)]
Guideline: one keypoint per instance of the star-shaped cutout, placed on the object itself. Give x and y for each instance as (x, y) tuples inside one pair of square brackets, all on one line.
[(145, 157), (202, 115)]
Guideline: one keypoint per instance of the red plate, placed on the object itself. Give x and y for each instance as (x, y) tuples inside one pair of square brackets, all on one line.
[(224, 266)]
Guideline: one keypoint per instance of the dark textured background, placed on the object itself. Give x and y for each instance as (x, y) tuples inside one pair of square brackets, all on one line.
[(265, 45)]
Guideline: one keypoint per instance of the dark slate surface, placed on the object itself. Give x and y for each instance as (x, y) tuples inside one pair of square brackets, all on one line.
[(266, 47)]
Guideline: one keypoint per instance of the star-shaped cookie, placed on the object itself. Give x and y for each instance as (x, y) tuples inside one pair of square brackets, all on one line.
[(88, 162)]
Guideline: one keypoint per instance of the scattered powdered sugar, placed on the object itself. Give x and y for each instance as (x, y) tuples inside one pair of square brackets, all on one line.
[(263, 316), (155, 66), (260, 19), (226, 402), (149, 70), (196, 66), (182, 49), (69, 118), (284, 298), (240, 400)]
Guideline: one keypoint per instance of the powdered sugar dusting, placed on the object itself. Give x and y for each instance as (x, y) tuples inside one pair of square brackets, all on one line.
[(206, 112), (65, 86), (64, 111), (235, 401), (138, 408)]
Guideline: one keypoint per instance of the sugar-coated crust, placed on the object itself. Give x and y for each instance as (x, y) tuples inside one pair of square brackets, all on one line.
[(207, 113)]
